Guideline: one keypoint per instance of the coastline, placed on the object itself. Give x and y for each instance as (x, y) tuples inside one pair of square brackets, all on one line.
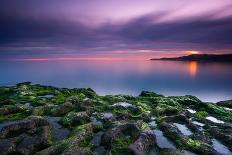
[(66, 120)]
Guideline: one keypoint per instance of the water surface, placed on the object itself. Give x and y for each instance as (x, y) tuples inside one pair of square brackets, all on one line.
[(208, 81)]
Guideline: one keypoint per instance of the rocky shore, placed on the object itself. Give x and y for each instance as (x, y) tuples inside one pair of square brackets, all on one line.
[(45, 120)]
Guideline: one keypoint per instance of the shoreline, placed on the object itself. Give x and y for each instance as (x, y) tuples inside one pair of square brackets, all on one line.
[(39, 119)]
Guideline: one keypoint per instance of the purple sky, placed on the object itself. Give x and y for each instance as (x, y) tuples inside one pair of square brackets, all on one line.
[(42, 28)]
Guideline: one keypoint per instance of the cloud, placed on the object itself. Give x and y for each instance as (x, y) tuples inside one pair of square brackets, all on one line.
[(20, 35)]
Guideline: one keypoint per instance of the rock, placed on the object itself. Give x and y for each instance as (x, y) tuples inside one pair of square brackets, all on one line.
[(11, 109), (127, 128), (168, 151), (29, 136), (227, 103), (224, 137), (23, 126), (149, 94), (8, 146), (100, 150), (96, 141), (75, 118), (145, 140), (72, 144), (195, 145), (62, 109)]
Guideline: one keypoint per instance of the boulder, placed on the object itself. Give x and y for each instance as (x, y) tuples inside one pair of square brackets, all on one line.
[(145, 140), (29, 136), (75, 118), (126, 128), (62, 109)]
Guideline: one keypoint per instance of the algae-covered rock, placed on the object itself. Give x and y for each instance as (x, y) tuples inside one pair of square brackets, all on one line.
[(131, 129), (149, 94), (25, 137), (45, 120), (145, 140), (62, 109), (75, 118)]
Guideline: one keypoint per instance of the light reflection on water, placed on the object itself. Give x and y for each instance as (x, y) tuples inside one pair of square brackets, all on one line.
[(208, 81)]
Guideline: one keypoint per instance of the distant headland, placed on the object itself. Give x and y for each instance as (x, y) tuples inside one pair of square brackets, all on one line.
[(201, 57)]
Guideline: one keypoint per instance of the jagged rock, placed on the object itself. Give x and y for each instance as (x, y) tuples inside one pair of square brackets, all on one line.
[(174, 134), (127, 128), (72, 144), (145, 140), (149, 94), (225, 137), (96, 141), (62, 109), (168, 151), (75, 118), (23, 126), (8, 146), (10, 109), (28, 136)]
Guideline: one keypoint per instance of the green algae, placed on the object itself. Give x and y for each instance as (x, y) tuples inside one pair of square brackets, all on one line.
[(73, 103)]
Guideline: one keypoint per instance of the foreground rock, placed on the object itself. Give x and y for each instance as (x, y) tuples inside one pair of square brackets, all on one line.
[(44, 120), (25, 137)]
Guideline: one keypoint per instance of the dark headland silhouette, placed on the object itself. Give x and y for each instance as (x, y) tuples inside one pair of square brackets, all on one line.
[(201, 57)]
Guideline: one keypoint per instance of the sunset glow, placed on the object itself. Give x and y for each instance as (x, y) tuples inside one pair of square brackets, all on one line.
[(193, 68), (193, 52)]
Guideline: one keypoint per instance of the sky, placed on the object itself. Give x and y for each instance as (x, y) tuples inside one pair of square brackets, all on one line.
[(136, 29)]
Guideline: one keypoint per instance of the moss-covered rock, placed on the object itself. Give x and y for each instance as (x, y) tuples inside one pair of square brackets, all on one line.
[(122, 121), (75, 118)]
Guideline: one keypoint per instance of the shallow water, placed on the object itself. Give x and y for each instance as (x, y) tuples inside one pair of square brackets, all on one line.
[(215, 120), (198, 123), (107, 115), (183, 129), (123, 104), (47, 96), (208, 81), (191, 111), (162, 141), (219, 147)]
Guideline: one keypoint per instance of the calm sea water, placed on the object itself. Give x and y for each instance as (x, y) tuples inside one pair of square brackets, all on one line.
[(208, 81)]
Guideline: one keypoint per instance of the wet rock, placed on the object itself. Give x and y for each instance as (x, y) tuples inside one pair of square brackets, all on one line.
[(75, 118), (149, 94), (126, 128), (222, 135), (22, 126), (11, 109), (28, 136), (30, 144), (227, 103), (145, 140), (96, 141), (100, 150), (169, 151), (174, 134), (71, 145), (62, 109), (58, 132), (8, 146)]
